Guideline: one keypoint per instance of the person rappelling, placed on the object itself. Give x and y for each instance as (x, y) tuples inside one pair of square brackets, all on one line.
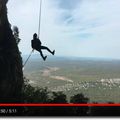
[(37, 45)]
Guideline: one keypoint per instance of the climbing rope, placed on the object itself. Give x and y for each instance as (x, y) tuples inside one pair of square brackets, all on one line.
[(39, 26), (39, 30), (28, 58)]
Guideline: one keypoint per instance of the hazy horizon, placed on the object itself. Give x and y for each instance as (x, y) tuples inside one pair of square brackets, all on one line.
[(68, 57)]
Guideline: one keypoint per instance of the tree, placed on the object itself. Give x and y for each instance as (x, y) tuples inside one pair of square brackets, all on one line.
[(58, 97), (80, 98), (35, 94), (11, 75), (16, 34)]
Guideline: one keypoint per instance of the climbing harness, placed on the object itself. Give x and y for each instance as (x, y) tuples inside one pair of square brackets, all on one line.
[(39, 30)]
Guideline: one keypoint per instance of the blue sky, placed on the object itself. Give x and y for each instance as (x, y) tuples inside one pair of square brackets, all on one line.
[(81, 28)]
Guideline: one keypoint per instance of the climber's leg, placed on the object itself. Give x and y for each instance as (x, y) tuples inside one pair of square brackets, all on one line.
[(44, 47), (44, 57)]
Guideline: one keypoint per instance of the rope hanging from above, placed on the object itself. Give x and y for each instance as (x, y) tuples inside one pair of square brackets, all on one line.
[(39, 26)]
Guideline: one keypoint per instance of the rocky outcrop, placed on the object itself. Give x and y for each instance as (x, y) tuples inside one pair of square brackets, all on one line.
[(11, 75)]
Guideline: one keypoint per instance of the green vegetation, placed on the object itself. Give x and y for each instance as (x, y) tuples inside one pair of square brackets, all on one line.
[(77, 76), (42, 95)]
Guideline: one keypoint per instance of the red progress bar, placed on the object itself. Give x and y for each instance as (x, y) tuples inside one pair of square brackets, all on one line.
[(55, 105)]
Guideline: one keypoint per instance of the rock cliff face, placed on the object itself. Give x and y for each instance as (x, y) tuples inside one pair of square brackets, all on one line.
[(11, 75)]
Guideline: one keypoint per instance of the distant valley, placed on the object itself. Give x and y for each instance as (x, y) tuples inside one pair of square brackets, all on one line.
[(96, 78)]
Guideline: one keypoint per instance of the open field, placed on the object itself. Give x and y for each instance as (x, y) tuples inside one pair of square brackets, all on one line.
[(97, 79)]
